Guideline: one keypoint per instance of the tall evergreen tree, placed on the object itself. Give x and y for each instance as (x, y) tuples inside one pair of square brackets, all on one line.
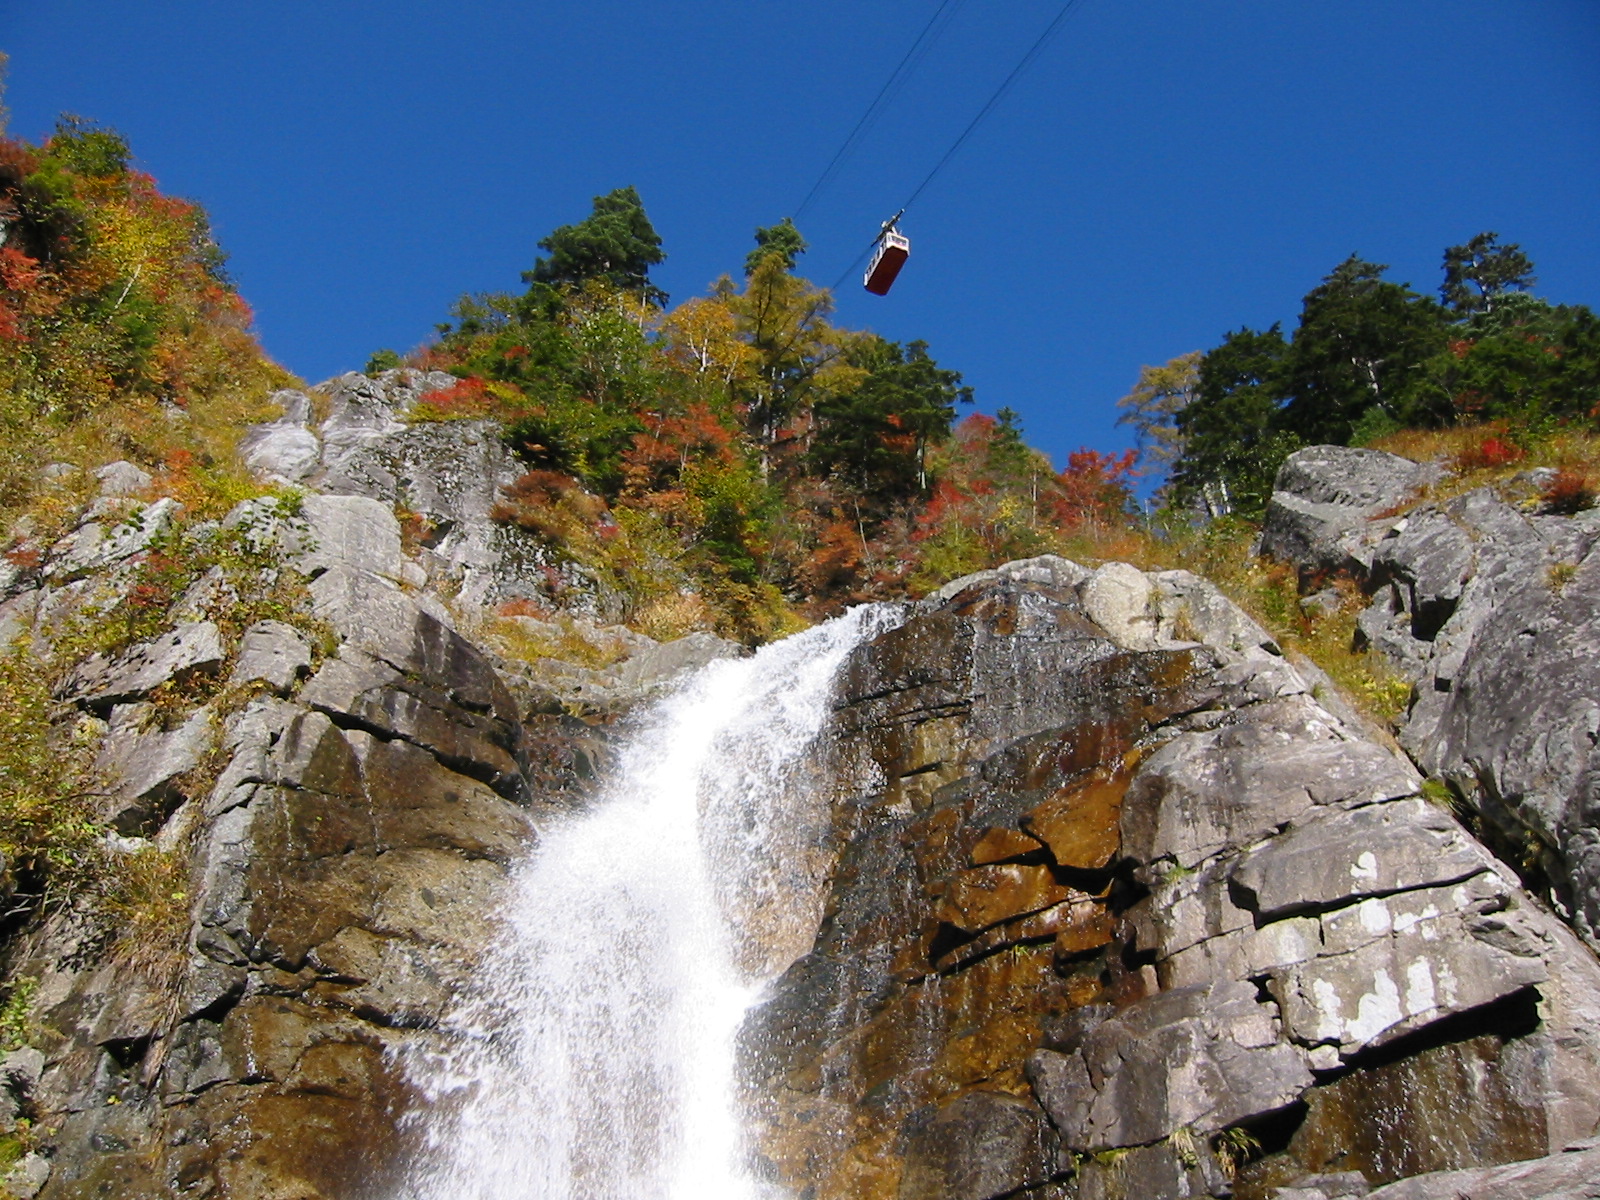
[(615, 243), (782, 241), (1359, 345), (1232, 443), (1479, 272), (876, 436)]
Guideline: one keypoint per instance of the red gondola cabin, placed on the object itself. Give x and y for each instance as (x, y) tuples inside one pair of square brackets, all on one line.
[(894, 248)]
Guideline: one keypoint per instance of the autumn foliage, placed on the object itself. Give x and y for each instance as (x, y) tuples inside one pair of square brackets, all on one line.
[(744, 449), (114, 309)]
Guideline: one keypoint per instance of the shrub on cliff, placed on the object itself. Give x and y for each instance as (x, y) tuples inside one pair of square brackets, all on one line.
[(115, 311)]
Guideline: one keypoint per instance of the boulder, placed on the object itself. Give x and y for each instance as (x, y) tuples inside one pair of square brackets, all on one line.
[(977, 1147), (1328, 859), (1328, 502), (122, 478), (273, 653), (1117, 598), (1199, 1058), (145, 764), (102, 681), (352, 533)]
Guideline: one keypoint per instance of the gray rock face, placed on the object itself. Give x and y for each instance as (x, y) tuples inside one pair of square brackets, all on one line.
[(144, 765), (1330, 859), (1571, 1176), (101, 541), (1199, 1058), (447, 475), (1326, 500), (100, 682), (451, 475), (273, 653), (285, 450), (344, 858), (1493, 614)]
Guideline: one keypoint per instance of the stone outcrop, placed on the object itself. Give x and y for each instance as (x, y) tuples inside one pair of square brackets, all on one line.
[(1121, 906), (1494, 613), (1489, 608), (1122, 911), (446, 477), (1330, 504)]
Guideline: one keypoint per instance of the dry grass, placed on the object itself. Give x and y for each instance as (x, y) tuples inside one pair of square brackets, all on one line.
[(1492, 454), (563, 638), (672, 616), (146, 903)]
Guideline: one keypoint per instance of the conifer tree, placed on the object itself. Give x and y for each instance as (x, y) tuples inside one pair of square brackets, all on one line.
[(616, 243), (1479, 272), (782, 240)]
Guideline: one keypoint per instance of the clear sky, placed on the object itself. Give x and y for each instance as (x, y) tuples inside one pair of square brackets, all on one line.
[(1166, 171)]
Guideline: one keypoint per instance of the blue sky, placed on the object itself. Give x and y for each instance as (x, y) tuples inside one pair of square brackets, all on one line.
[(1168, 170)]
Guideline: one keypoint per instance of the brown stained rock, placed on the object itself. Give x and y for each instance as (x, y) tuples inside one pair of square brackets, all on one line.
[(998, 844), (1448, 1107), (1084, 926), (1077, 925), (349, 1070), (429, 806), (976, 1147), (263, 1037), (436, 898), (304, 1146), (1059, 758), (935, 845), (983, 896), (992, 1015), (293, 912), (1080, 823)]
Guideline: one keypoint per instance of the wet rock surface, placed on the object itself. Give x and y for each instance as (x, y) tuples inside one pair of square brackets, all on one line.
[(1137, 905)]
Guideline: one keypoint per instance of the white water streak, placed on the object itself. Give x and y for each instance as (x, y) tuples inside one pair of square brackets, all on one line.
[(594, 1057)]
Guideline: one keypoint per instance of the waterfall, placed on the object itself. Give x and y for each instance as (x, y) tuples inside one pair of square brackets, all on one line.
[(593, 1056)]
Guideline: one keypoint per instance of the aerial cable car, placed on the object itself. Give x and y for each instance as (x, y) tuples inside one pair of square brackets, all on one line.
[(890, 251)]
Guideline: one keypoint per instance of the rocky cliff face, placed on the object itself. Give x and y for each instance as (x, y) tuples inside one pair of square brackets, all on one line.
[(342, 790), (1491, 609), (1123, 911), (1119, 906)]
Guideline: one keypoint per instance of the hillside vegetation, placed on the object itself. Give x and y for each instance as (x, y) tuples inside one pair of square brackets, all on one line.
[(736, 461), (784, 462), (1368, 360)]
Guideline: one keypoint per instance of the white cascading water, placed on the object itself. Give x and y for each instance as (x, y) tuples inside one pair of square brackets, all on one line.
[(594, 1056)]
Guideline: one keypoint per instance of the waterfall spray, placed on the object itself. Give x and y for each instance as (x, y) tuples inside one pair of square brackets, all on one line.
[(593, 1056)]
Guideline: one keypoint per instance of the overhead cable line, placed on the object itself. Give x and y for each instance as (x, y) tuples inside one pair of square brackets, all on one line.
[(886, 94), (999, 93)]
